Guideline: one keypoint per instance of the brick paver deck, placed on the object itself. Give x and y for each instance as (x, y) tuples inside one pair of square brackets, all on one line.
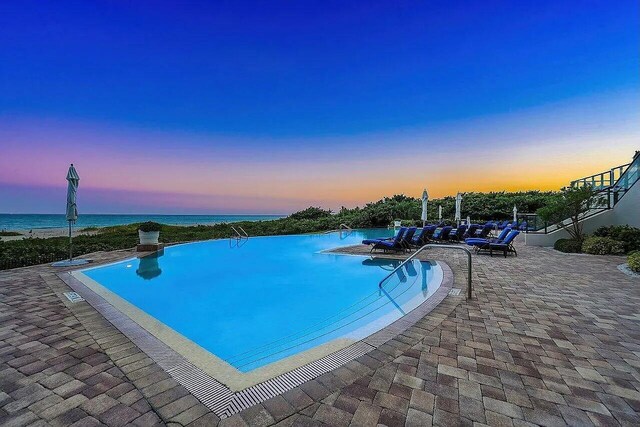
[(549, 339)]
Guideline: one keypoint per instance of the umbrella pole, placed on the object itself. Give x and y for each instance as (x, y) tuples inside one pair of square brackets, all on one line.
[(70, 244)]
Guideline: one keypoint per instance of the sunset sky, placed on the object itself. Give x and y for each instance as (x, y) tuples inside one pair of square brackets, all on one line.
[(269, 107)]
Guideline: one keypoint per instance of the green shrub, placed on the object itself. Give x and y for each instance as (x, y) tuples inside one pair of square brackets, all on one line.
[(604, 231), (311, 213), (411, 222), (602, 246), (568, 245), (150, 226), (634, 261), (629, 236), (568, 209)]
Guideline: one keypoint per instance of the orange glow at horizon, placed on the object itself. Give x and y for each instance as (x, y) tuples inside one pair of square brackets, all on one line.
[(531, 150)]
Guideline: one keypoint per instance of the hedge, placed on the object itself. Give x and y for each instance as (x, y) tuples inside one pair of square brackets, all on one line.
[(634, 262), (602, 246), (568, 246)]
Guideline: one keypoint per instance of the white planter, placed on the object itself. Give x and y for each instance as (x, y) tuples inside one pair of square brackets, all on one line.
[(148, 237)]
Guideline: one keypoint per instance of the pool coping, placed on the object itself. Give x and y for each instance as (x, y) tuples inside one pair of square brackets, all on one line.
[(219, 398)]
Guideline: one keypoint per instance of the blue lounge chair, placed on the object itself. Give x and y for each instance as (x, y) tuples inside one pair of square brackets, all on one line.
[(471, 231), (484, 231), (442, 234), (457, 234), (423, 237), (408, 237), (478, 242), (503, 225), (402, 230), (506, 245), (395, 244), (523, 226)]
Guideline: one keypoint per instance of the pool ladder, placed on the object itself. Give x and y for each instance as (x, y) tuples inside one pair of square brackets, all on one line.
[(435, 245), (239, 235), (341, 227)]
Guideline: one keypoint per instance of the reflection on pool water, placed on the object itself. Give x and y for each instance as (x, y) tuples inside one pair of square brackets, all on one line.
[(149, 266), (255, 302)]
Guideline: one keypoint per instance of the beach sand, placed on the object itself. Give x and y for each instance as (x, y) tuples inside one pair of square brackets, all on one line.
[(43, 233)]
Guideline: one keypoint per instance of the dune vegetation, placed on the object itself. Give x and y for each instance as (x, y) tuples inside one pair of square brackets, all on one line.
[(480, 206)]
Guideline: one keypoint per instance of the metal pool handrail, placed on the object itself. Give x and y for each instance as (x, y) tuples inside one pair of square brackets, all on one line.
[(244, 232), (240, 236), (341, 227), (436, 245)]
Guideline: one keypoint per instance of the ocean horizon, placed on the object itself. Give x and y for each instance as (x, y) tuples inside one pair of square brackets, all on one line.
[(47, 221)]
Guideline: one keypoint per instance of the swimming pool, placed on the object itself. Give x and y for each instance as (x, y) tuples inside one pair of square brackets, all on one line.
[(267, 300)]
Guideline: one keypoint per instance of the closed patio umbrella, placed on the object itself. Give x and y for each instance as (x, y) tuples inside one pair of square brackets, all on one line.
[(73, 180), (515, 214), (440, 213), (458, 216), (425, 199)]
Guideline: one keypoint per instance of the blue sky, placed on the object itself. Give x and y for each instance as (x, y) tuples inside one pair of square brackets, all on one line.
[(309, 76)]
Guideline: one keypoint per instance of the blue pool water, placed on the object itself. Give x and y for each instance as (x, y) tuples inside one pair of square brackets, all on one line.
[(268, 298)]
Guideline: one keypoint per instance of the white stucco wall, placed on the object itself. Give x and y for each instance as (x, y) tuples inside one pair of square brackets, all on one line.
[(627, 211)]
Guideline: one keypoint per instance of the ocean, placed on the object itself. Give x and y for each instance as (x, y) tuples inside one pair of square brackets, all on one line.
[(39, 221)]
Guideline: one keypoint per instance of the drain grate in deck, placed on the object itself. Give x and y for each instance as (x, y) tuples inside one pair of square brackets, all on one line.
[(73, 296), (455, 292)]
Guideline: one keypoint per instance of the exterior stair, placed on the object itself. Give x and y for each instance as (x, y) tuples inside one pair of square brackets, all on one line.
[(619, 204)]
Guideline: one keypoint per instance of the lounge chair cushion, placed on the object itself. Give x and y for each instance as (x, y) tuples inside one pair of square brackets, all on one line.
[(371, 241)]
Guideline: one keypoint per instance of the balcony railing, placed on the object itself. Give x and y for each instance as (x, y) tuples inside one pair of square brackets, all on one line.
[(602, 180)]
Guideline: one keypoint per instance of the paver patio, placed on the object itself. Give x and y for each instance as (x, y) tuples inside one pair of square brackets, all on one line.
[(549, 339)]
